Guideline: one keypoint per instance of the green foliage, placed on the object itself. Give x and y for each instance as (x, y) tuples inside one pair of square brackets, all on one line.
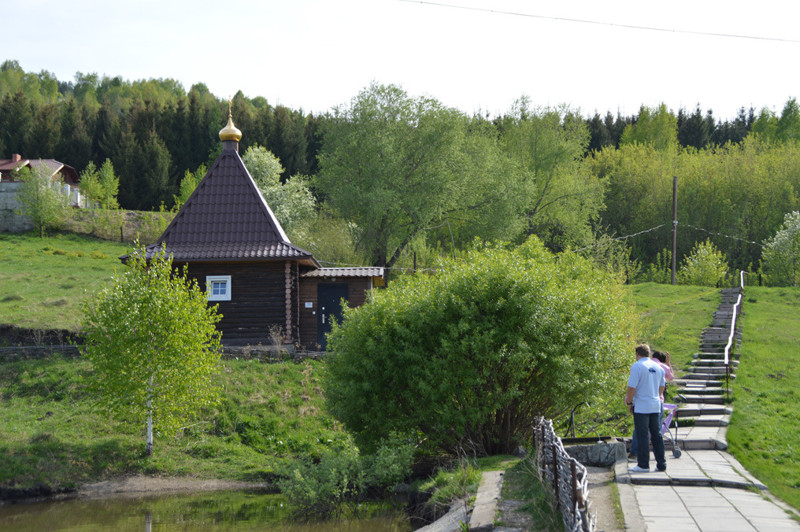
[(100, 186), (324, 488), (614, 256), (292, 201), (41, 198), (466, 358), (562, 198), (705, 266), (660, 270), (109, 185), (188, 184), (153, 344), (656, 127), (396, 167), (781, 254)]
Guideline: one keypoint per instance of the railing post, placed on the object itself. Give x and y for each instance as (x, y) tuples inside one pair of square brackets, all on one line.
[(555, 477), (574, 485)]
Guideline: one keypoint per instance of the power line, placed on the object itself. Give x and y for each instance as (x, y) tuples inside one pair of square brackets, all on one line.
[(724, 235), (600, 23)]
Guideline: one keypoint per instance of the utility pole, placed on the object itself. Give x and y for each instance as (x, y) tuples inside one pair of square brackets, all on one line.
[(674, 225)]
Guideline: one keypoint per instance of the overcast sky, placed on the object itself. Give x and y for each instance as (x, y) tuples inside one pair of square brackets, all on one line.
[(478, 56)]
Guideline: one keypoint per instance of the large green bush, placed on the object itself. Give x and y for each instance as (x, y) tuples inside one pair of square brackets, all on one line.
[(782, 253), (467, 357), (705, 266)]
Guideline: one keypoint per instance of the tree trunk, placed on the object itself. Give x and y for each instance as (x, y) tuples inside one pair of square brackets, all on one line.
[(149, 448)]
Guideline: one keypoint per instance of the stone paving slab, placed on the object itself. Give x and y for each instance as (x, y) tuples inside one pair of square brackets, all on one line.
[(483, 512)]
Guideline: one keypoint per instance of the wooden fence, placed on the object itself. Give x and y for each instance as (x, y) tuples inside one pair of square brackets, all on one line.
[(567, 476)]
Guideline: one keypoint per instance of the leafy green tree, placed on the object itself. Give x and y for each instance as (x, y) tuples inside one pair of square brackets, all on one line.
[(705, 266), (395, 167), (291, 202), (789, 123), (765, 124), (188, 184), (100, 186), (465, 359), (547, 148), (782, 253), (42, 199), (656, 127), (90, 183), (109, 185), (152, 340)]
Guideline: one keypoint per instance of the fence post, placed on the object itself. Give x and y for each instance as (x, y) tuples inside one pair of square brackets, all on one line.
[(555, 477), (574, 499)]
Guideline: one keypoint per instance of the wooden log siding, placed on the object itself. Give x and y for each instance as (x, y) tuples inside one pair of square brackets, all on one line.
[(258, 298)]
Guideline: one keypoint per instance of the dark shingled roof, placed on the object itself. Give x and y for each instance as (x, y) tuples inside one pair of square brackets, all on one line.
[(227, 219)]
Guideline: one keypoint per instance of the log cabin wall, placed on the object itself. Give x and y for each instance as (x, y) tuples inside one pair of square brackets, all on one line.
[(258, 299)]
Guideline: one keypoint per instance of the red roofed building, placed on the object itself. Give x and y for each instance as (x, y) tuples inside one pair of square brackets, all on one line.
[(239, 253)]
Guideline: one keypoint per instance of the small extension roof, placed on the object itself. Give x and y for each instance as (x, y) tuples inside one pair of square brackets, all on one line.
[(365, 271)]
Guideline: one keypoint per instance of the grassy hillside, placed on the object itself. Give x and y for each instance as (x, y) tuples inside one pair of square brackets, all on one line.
[(52, 434), (764, 429), (45, 280), (673, 318)]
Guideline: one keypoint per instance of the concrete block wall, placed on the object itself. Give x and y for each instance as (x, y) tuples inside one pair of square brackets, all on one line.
[(10, 221)]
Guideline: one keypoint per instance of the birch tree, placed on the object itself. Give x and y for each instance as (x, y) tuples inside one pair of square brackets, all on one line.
[(153, 344)]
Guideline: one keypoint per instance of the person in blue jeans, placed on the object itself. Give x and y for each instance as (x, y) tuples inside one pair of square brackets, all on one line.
[(662, 358), (643, 399)]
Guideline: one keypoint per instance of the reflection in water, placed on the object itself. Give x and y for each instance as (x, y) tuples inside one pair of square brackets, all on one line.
[(215, 511)]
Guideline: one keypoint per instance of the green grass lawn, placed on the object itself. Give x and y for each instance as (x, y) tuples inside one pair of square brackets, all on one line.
[(673, 318), (44, 280), (51, 432), (764, 434)]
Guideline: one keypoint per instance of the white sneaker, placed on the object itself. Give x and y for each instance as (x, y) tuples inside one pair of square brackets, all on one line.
[(637, 469)]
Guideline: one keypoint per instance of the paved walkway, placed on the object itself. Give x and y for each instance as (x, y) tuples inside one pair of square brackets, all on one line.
[(705, 489)]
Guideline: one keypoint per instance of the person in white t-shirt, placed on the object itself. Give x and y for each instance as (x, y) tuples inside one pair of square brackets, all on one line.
[(643, 399)]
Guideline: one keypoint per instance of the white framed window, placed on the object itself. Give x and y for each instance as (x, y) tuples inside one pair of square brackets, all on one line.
[(218, 287)]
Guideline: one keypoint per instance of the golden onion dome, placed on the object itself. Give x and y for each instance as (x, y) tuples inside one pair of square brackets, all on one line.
[(230, 132)]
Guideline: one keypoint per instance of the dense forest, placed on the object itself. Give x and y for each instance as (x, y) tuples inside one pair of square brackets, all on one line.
[(427, 180)]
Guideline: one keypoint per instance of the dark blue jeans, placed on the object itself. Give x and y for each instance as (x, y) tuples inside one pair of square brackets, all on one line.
[(644, 425), (635, 441)]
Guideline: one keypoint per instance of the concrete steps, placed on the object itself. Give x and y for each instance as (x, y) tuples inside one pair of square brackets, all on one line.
[(701, 392)]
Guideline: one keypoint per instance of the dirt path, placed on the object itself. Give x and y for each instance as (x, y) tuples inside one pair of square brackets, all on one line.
[(142, 485), (604, 498)]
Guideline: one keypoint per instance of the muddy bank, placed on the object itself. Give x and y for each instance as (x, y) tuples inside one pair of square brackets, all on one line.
[(134, 487)]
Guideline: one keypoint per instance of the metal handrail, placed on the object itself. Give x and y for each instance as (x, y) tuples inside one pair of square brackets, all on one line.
[(732, 334)]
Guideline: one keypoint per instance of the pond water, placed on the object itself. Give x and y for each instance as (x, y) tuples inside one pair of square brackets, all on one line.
[(215, 511)]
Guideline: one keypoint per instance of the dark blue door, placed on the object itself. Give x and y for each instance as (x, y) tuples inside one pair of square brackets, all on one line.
[(329, 303)]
